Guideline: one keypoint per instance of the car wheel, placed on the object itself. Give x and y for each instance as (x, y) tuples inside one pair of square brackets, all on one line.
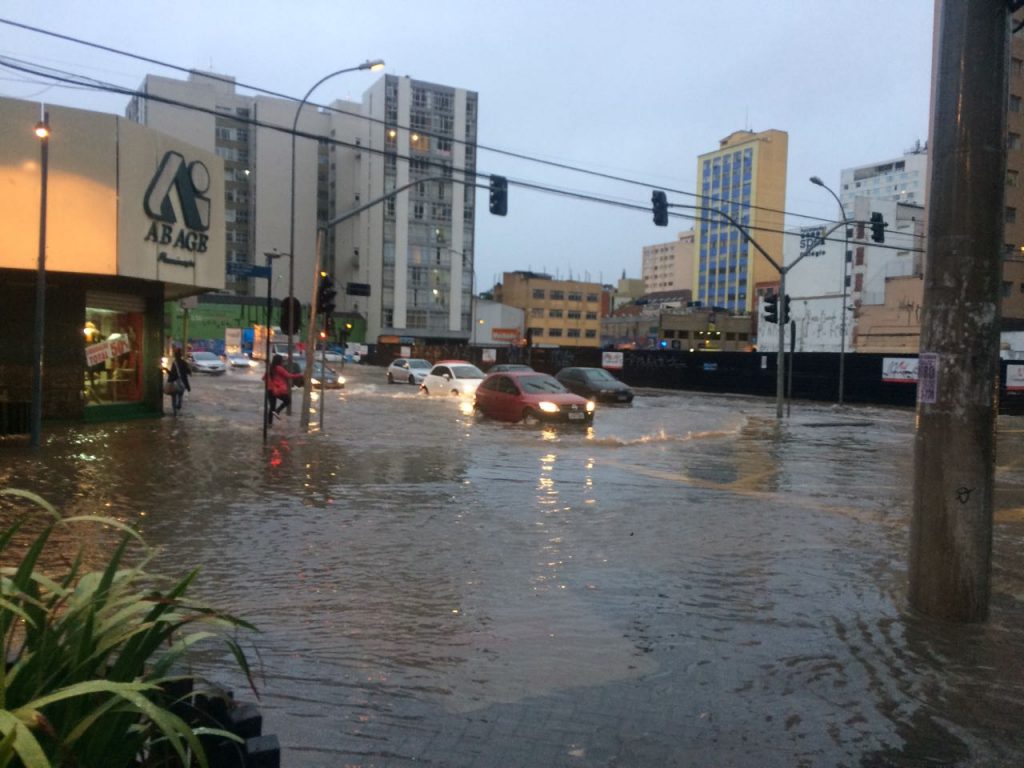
[(412, 379), (455, 393), (530, 417), (391, 379)]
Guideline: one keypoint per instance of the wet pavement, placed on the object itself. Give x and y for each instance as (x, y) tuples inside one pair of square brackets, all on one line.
[(687, 583)]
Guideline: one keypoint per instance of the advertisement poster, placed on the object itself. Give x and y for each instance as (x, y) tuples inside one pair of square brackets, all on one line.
[(611, 360), (902, 370), (1015, 378)]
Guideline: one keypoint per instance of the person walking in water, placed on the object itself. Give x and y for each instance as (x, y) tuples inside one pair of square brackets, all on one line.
[(177, 381), (279, 388)]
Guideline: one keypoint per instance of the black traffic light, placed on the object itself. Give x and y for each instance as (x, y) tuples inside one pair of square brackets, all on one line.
[(291, 316), (325, 294), (785, 309), (877, 228), (499, 195), (659, 202), (771, 308)]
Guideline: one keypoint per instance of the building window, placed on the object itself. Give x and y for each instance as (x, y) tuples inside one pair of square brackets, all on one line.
[(860, 257), (1014, 103), (1013, 141), (590, 333), (1011, 215), (555, 313), (1011, 178), (554, 332), (538, 293), (591, 315), (557, 296), (534, 331), (575, 297), (573, 333), (1007, 289)]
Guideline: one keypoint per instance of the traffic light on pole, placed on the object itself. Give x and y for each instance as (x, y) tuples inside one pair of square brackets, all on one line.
[(659, 203), (499, 195), (771, 308), (877, 228), (785, 309), (325, 294)]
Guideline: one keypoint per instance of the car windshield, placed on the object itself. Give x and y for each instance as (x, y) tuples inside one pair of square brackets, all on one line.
[(467, 372), (205, 356), (419, 364), (600, 374), (540, 383)]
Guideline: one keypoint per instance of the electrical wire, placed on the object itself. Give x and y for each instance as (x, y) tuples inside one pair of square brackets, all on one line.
[(92, 83), (369, 118)]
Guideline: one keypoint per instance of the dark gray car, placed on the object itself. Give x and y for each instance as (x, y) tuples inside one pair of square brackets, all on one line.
[(595, 383)]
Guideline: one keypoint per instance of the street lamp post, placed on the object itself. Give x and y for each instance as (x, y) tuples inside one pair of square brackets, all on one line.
[(842, 315), (42, 130), (372, 65)]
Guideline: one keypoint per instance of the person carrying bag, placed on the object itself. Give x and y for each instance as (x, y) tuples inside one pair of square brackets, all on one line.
[(177, 381)]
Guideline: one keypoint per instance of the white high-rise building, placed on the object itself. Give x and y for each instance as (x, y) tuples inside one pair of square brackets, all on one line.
[(902, 180), (414, 251)]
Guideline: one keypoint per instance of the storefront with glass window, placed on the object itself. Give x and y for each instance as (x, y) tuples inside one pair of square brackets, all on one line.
[(133, 219)]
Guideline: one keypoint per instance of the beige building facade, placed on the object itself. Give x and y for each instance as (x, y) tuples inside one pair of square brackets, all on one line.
[(669, 266), (563, 313)]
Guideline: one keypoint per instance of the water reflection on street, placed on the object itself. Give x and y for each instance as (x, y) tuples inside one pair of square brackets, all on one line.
[(685, 583)]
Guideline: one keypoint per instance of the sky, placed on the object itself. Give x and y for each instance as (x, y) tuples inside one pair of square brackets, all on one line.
[(632, 90)]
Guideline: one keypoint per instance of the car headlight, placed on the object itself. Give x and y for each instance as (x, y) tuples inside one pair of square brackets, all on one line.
[(548, 407), (590, 406), (341, 379)]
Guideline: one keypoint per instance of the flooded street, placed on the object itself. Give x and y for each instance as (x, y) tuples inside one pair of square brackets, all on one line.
[(687, 583)]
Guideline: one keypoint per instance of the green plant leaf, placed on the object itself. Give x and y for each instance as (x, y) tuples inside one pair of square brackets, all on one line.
[(21, 740)]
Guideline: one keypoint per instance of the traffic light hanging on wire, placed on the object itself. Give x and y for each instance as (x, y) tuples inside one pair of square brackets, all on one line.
[(499, 195), (659, 204), (325, 294), (877, 227), (771, 308)]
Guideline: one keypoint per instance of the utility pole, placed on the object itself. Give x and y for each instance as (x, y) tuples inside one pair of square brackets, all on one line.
[(954, 447)]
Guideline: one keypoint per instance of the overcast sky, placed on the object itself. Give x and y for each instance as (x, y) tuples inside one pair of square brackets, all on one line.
[(636, 90)]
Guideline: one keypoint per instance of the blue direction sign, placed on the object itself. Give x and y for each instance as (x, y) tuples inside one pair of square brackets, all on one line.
[(241, 269)]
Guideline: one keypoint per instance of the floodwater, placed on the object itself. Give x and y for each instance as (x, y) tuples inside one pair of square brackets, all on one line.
[(687, 583)]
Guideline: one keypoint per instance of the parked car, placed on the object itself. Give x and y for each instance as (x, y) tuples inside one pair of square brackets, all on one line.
[(206, 362), (408, 369), (331, 378), (238, 360), (330, 355), (596, 383), (456, 377), (530, 396), (506, 367)]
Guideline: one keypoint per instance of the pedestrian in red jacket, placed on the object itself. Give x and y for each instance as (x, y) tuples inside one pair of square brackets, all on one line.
[(279, 388)]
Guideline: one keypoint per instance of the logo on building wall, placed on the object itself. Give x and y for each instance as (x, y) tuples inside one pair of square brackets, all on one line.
[(189, 183)]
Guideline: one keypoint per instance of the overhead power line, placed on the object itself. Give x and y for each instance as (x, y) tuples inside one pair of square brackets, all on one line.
[(92, 83), (480, 147)]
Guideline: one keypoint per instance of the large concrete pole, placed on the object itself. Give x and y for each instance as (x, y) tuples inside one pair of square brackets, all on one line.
[(954, 448)]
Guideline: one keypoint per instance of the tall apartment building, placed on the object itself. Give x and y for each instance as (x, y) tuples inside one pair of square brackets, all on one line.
[(746, 179), (564, 313), (414, 250), (669, 266), (1013, 216)]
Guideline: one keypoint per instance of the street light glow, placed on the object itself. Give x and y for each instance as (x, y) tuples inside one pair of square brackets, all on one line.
[(43, 130), (374, 65)]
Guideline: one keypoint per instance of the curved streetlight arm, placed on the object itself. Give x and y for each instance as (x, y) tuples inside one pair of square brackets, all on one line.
[(369, 64)]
